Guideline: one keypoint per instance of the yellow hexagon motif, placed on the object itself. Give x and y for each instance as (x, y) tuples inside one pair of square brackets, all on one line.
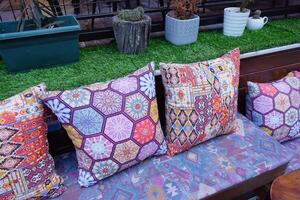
[(74, 135), (268, 131), (154, 111)]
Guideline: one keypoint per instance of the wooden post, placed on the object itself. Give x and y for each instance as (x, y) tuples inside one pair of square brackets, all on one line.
[(132, 37)]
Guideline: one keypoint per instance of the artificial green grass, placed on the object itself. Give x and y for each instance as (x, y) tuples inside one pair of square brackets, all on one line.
[(103, 63)]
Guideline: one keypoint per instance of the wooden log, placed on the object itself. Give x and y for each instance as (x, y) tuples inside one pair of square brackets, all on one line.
[(132, 37)]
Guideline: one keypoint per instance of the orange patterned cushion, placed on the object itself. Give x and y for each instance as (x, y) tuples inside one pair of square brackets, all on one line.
[(26, 168), (201, 100)]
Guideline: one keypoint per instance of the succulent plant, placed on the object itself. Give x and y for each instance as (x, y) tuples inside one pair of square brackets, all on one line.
[(133, 15), (245, 3), (257, 14)]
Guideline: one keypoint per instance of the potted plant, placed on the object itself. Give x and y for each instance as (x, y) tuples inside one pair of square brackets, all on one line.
[(182, 22), (256, 22), (36, 40), (235, 19), (132, 30)]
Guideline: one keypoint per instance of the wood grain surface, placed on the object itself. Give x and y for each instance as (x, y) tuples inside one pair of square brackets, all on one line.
[(286, 187)]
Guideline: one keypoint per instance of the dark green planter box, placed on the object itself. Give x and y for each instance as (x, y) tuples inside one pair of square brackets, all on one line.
[(32, 48)]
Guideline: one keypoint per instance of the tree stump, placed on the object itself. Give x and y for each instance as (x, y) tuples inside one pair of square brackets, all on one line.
[(132, 37)]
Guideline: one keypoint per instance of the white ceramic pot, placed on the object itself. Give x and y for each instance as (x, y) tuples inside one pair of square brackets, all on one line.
[(180, 32), (235, 21), (256, 24)]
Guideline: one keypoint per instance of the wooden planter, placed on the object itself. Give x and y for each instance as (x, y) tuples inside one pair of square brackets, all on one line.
[(132, 37)]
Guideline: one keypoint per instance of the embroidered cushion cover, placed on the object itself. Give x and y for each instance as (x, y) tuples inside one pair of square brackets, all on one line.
[(275, 106), (201, 100), (113, 125), (26, 168)]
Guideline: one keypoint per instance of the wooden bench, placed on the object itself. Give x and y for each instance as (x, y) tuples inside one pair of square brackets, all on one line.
[(261, 68)]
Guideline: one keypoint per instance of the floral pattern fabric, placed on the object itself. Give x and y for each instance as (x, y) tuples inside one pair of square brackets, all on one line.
[(275, 107), (112, 125), (60, 110), (26, 167), (203, 170), (201, 100)]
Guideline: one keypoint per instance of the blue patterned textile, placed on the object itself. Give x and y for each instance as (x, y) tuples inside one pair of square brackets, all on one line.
[(294, 145), (210, 167)]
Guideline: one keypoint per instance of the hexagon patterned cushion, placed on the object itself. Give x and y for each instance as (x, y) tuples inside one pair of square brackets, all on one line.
[(26, 167), (112, 125), (201, 100), (275, 106)]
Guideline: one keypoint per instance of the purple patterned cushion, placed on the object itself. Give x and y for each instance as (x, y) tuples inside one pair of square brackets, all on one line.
[(275, 106), (112, 125)]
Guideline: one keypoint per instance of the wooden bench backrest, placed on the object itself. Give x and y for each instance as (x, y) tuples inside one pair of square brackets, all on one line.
[(263, 68)]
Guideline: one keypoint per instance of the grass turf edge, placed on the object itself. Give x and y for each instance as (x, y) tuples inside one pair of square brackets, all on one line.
[(103, 63)]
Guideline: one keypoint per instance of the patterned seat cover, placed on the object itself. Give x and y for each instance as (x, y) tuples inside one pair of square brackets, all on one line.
[(202, 171), (294, 145)]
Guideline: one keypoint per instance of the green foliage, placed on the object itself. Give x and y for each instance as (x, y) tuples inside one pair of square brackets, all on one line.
[(133, 15), (257, 14), (103, 63)]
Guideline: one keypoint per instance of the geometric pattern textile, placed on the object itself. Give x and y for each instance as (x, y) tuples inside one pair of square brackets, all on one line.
[(208, 168), (275, 107), (112, 125), (293, 145), (201, 100), (26, 167)]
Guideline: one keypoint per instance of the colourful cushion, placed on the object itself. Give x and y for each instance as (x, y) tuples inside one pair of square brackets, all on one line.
[(26, 168), (210, 167), (275, 106), (294, 73), (201, 100), (293, 145), (112, 125)]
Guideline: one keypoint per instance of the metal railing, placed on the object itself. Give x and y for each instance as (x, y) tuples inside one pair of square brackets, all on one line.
[(95, 16)]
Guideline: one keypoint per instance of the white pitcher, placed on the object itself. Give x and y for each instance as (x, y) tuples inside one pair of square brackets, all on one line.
[(256, 24)]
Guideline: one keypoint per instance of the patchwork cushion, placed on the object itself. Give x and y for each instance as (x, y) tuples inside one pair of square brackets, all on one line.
[(275, 106), (201, 100), (26, 168), (203, 170), (293, 145), (112, 125)]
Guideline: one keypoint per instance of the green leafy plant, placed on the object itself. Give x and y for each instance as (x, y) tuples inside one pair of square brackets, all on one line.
[(34, 10), (257, 14), (136, 14), (244, 5), (184, 9)]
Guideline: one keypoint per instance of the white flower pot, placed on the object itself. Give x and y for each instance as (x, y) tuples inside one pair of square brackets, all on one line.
[(235, 21), (256, 24), (181, 32)]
